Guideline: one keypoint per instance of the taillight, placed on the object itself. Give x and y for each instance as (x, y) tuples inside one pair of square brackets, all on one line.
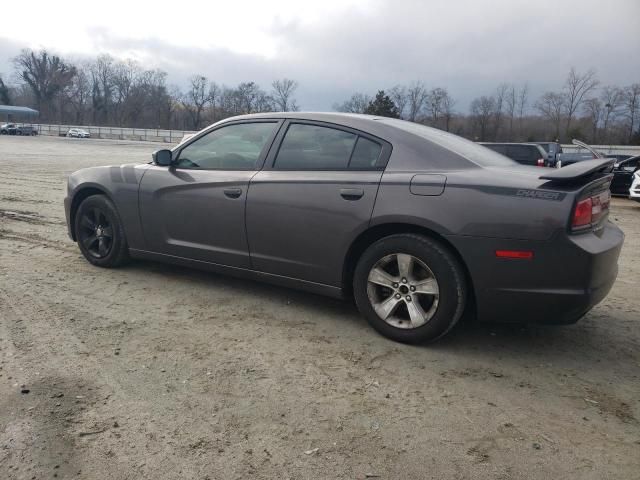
[(540, 162), (591, 210), (582, 213)]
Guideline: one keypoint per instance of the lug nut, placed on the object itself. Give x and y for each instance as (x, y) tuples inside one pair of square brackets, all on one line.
[(398, 296), (395, 285), (408, 298), (404, 280), (413, 289)]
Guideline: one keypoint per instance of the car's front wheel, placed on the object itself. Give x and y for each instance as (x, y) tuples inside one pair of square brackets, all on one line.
[(410, 288), (99, 232)]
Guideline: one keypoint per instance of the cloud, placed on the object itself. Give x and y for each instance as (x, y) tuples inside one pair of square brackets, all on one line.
[(467, 46)]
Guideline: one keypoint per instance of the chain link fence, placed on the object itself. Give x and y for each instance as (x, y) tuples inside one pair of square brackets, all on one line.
[(118, 133)]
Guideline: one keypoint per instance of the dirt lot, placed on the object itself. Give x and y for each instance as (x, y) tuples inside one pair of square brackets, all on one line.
[(155, 372)]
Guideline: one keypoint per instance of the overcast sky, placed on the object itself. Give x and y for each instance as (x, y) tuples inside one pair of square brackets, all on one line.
[(336, 47)]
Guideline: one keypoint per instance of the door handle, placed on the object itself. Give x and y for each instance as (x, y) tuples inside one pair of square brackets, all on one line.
[(351, 193), (233, 192)]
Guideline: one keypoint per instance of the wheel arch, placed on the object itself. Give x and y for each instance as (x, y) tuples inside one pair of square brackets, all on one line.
[(376, 232), (82, 193)]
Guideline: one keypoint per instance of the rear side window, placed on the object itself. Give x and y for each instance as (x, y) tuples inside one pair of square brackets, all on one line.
[(315, 147), (366, 154)]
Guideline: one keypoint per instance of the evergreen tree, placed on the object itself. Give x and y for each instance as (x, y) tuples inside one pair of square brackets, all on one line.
[(383, 106)]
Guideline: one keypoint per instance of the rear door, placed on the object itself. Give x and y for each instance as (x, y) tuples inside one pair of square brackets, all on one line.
[(313, 197), (196, 208), (623, 176)]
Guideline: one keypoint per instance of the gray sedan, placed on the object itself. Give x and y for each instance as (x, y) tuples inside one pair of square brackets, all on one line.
[(417, 225)]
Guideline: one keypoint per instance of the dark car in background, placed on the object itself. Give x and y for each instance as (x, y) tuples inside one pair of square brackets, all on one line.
[(524, 153), (17, 129), (416, 224), (623, 175), (553, 150)]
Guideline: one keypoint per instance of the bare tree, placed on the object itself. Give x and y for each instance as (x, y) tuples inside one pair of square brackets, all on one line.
[(215, 92), (482, 112), (523, 102), (576, 88), (447, 108), (358, 103), (102, 72), (417, 94), (594, 109), (195, 99), (282, 94), (511, 101), (434, 104), (400, 97), (632, 106), (47, 76), (77, 95), (500, 97), (125, 76), (4, 93), (611, 98), (552, 106)]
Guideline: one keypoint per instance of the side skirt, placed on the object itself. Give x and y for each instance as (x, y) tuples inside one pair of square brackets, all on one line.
[(294, 283)]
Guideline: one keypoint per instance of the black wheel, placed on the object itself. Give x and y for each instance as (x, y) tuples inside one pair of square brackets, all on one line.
[(99, 232), (410, 288)]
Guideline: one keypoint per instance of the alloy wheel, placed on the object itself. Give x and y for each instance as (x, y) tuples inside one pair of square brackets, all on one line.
[(96, 233), (403, 291)]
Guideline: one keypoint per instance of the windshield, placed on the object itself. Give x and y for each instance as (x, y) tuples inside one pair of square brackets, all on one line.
[(465, 148)]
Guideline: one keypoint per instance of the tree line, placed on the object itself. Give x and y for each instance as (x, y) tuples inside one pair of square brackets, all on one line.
[(111, 92), (582, 108)]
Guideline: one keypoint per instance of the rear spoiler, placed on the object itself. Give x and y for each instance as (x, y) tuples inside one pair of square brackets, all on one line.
[(578, 170)]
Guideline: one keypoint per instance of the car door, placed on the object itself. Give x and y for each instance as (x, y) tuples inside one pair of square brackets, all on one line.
[(315, 194), (623, 176), (196, 207)]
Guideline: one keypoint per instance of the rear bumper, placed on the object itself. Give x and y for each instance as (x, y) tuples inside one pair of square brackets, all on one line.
[(567, 277)]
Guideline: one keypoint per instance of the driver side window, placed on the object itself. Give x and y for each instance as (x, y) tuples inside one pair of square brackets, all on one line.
[(234, 147)]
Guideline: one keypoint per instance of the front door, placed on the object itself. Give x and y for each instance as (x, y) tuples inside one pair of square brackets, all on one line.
[(315, 194), (196, 208)]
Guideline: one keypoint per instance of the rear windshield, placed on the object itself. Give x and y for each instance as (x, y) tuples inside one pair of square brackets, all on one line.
[(465, 148)]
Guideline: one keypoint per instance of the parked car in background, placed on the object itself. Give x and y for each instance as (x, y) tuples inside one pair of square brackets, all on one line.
[(634, 191), (569, 158), (553, 149), (397, 215), (623, 173), (78, 133), (17, 129), (523, 153)]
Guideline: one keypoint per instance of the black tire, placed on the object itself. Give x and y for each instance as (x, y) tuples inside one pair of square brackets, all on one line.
[(97, 217), (442, 264)]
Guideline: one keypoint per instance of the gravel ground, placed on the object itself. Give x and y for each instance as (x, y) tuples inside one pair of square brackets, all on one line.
[(158, 372)]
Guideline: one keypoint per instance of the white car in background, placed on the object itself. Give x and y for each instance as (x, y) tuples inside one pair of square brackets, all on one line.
[(634, 191), (78, 133)]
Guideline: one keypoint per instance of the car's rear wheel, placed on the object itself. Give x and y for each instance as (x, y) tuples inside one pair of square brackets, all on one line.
[(99, 232), (410, 288)]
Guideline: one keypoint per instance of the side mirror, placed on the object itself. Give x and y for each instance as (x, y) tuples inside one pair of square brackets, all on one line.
[(162, 158)]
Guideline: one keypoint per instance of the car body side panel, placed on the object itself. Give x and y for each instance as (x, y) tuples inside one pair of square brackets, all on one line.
[(566, 277), (120, 184), (188, 213), (474, 203), (299, 225)]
